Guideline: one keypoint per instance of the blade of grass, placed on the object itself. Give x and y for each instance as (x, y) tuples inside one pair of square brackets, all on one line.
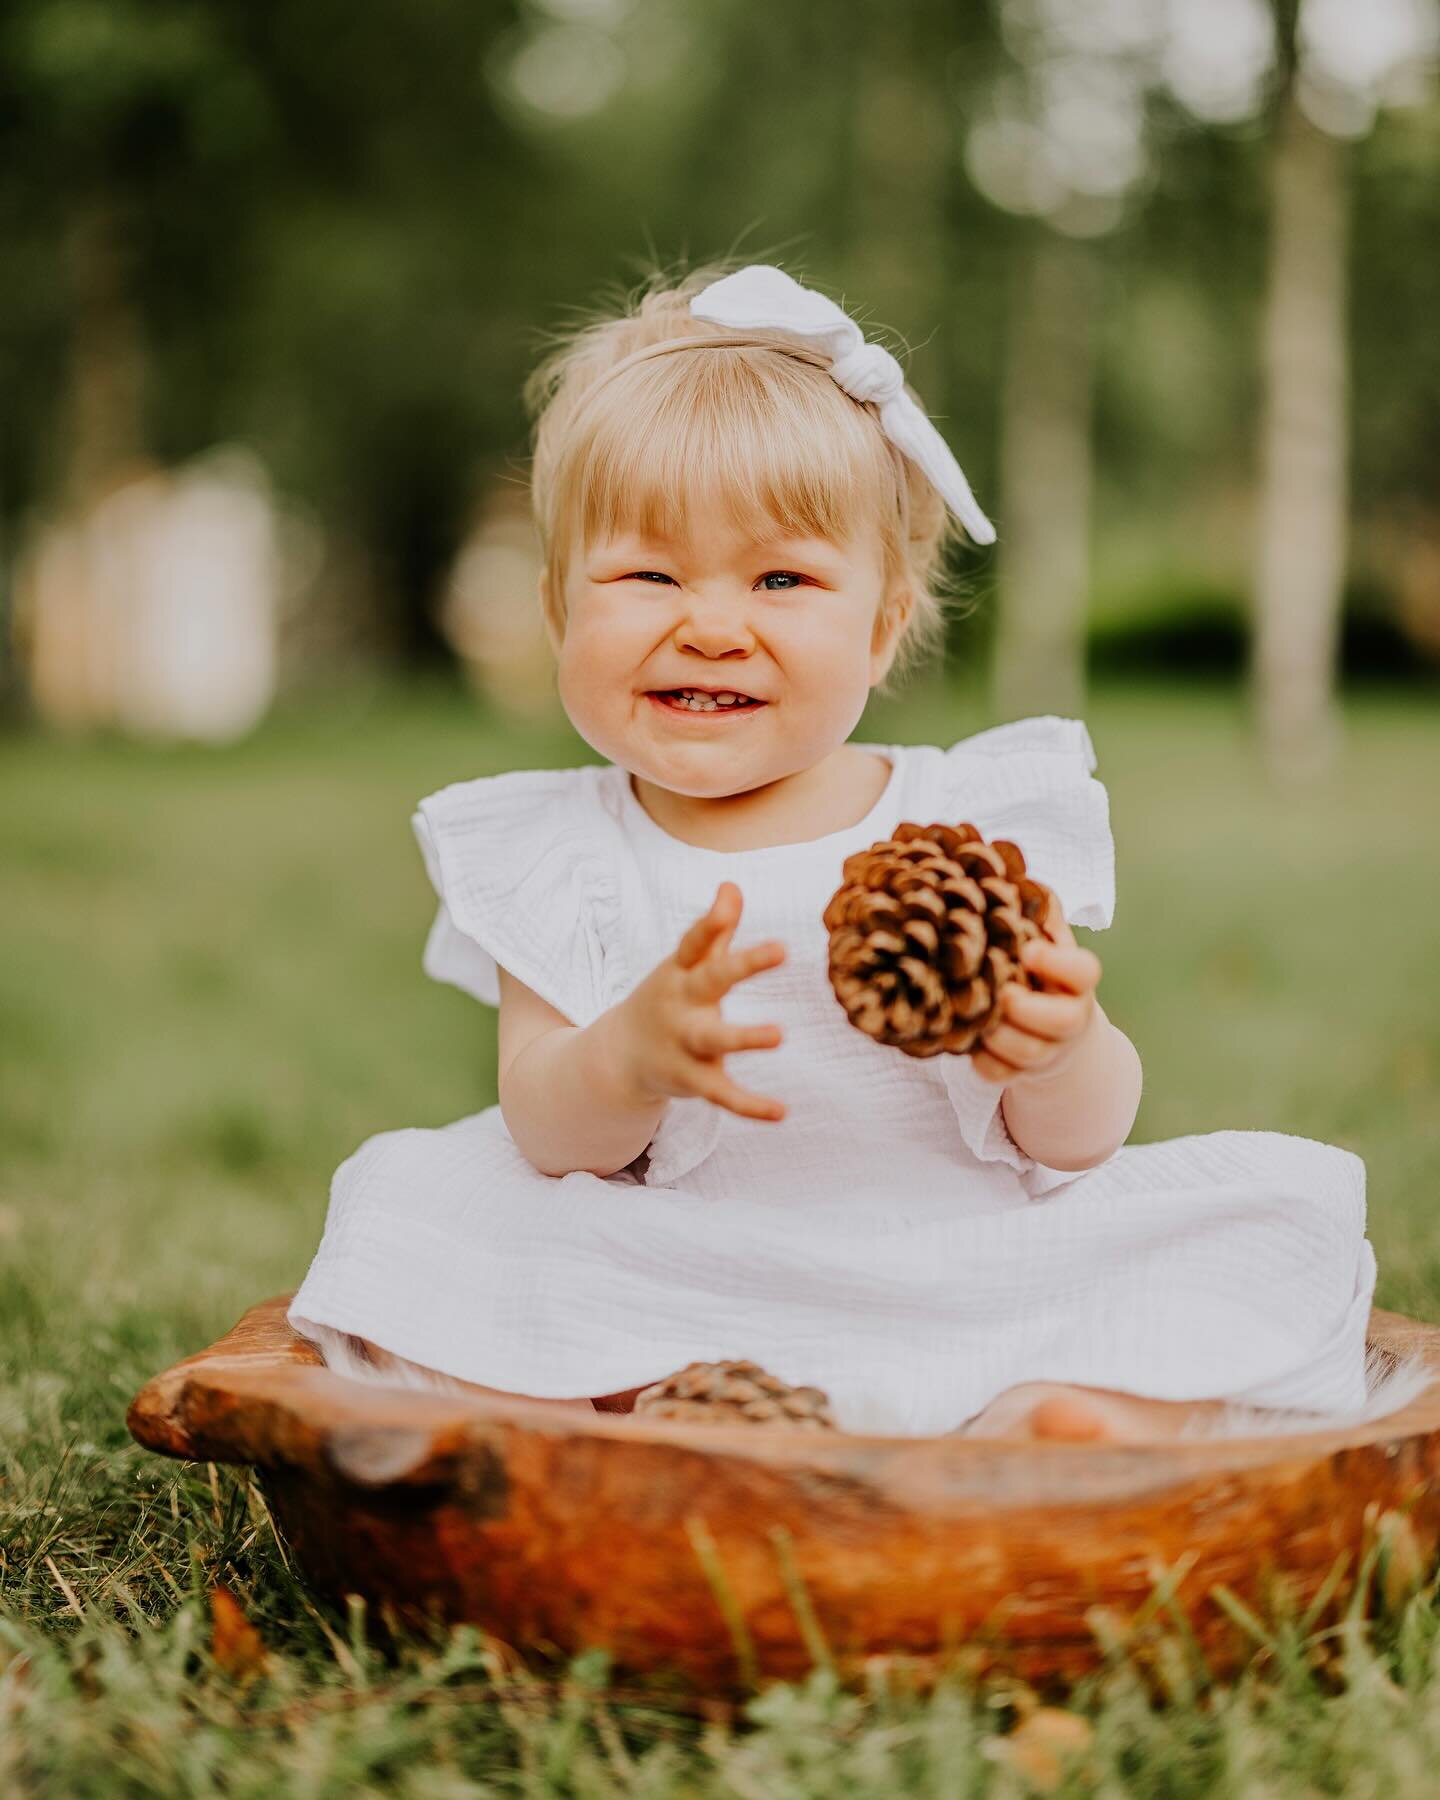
[(800, 1601), (708, 1556)]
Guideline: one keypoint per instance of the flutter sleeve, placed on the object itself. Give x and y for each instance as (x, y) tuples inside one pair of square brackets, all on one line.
[(531, 876), (520, 867), (1031, 781)]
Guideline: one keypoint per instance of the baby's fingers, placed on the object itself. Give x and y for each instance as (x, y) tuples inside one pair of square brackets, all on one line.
[(1074, 970), (1019, 1049), (1057, 926), (990, 1068), (710, 1037), (1044, 1015), (718, 1086), (715, 928), (718, 974)]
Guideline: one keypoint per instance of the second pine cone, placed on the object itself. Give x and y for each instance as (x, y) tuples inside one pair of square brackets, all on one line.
[(734, 1393)]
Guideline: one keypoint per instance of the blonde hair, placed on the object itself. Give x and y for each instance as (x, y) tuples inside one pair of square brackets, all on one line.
[(756, 425)]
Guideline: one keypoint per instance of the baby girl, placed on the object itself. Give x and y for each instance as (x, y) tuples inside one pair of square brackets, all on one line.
[(744, 513)]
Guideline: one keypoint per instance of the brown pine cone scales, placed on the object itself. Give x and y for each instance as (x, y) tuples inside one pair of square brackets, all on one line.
[(925, 930), (733, 1393)]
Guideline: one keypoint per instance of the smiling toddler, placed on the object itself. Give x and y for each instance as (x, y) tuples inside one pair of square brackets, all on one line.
[(744, 513)]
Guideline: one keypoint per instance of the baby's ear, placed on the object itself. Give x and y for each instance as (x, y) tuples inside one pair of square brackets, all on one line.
[(891, 618)]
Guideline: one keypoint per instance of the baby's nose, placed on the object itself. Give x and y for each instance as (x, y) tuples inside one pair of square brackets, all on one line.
[(715, 632)]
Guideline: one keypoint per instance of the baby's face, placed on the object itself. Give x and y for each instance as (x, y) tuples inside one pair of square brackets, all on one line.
[(791, 624)]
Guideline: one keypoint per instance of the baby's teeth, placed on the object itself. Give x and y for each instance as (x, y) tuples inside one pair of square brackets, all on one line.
[(698, 702), (708, 702)]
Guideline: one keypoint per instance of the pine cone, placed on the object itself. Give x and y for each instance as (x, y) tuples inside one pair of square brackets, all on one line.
[(925, 931), (734, 1393)]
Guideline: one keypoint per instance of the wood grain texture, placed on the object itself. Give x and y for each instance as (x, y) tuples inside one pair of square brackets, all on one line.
[(557, 1531)]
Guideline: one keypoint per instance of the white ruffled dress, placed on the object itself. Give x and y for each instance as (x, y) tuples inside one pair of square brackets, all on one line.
[(887, 1241)]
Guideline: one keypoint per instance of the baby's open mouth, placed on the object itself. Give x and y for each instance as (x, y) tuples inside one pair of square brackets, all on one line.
[(705, 700)]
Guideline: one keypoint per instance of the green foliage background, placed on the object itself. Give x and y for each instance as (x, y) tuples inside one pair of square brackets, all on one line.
[(342, 232)]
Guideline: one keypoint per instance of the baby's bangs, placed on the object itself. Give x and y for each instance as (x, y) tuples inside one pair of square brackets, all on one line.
[(750, 431)]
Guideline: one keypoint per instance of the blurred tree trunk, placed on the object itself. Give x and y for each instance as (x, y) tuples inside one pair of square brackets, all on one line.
[(75, 581), (896, 250), (1046, 476), (1304, 442), (102, 433), (901, 145)]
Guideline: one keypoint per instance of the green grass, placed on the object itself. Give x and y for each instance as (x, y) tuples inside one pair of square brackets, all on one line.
[(210, 993)]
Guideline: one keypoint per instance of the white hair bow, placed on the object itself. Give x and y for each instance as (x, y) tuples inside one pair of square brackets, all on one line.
[(761, 295)]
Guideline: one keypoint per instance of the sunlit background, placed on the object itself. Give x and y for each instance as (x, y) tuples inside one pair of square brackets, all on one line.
[(1165, 271)]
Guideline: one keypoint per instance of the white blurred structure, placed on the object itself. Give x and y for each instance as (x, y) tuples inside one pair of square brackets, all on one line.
[(490, 609), (153, 608)]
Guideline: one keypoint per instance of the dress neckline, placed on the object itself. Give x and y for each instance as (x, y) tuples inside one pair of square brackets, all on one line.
[(648, 827)]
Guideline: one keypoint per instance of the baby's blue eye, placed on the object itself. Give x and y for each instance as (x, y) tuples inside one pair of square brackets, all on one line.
[(785, 575)]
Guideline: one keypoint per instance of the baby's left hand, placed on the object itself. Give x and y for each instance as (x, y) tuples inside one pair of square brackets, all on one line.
[(1041, 1031)]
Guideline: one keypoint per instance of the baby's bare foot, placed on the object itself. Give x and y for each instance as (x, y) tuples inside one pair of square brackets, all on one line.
[(1051, 1412), (1071, 1419)]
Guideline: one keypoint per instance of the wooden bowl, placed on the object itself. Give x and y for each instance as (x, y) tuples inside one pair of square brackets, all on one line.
[(721, 1552)]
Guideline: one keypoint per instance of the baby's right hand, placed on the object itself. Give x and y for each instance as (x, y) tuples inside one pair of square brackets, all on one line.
[(675, 1034)]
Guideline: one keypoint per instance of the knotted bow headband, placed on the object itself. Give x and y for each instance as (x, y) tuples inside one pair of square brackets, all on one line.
[(760, 296)]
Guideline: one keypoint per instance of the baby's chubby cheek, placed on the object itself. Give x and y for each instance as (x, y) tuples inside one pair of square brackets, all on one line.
[(601, 699)]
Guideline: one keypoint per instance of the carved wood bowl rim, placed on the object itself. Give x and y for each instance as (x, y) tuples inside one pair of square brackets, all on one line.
[(262, 1395)]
